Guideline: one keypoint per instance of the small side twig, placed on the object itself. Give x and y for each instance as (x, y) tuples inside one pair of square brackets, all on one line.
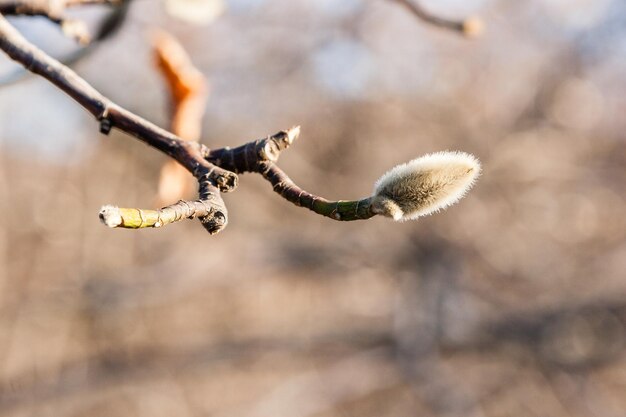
[(209, 209), (470, 27), (420, 187), (260, 156)]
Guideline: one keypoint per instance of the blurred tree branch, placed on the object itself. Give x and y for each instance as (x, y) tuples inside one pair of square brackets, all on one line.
[(470, 27)]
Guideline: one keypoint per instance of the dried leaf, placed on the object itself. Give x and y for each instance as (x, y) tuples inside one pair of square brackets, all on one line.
[(189, 91)]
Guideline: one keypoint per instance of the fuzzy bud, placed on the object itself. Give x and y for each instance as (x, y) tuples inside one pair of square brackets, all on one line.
[(424, 185)]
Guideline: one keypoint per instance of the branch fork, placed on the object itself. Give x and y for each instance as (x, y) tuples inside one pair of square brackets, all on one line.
[(408, 191)]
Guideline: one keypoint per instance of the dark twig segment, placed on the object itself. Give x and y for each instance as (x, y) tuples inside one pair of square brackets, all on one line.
[(245, 158), (113, 115), (260, 156), (337, 210)]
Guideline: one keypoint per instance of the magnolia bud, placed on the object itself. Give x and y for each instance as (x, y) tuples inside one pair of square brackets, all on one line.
[(424, 185)]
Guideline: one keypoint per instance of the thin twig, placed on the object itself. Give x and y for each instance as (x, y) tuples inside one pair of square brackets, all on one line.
[(209, 209), (470, 27), (260, 156)]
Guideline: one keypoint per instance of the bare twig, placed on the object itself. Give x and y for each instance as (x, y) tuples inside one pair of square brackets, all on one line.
[(470, 27), (209, 209)]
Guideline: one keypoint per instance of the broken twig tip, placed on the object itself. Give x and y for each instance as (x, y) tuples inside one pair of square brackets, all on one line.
[(293, 133), (110, 216)]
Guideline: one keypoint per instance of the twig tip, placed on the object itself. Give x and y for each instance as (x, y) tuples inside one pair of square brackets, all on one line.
[(473, 27), (293, 133), (110, 216)]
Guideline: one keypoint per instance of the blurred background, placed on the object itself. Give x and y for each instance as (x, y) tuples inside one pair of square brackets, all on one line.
[(510, 303)]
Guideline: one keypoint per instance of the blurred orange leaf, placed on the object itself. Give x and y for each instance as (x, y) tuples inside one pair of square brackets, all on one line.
[(189, 91)]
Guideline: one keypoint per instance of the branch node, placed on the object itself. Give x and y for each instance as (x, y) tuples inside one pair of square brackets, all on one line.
[(105, 126), (105, 123)]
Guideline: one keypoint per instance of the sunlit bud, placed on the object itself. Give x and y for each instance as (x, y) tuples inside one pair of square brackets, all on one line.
[(424, 185)]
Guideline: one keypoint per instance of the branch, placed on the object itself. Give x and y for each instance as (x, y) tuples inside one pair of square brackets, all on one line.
[(408, 191), (209, 209), (420, 187), (470, 27), (260, 156), (188, 154)]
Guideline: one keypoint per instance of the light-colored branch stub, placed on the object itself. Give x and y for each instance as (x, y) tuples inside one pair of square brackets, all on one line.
[(110, 216), (210, 212), (274, 145)]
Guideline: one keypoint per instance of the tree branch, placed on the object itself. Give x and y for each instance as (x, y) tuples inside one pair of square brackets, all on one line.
[(408, 191), (188, 154), (209, 209), (260, 156)]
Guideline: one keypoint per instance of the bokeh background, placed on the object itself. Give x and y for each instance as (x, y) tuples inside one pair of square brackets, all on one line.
[(511, 303)]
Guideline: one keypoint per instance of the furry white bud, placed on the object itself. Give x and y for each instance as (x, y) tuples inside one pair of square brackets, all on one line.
[(424, 185)]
